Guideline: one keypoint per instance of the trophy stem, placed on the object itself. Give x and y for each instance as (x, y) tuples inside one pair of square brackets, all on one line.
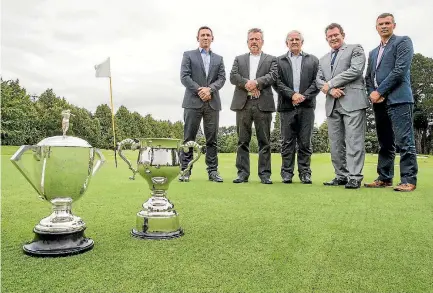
[(158, 219), (61, 219), (158, 193), (62, 210)]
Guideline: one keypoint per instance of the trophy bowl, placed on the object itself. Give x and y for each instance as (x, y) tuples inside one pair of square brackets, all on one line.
[(158, 163), (59, 168)]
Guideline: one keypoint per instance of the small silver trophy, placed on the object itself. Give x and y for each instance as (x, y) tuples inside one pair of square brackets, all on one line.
[(158, 163), (59, 168)]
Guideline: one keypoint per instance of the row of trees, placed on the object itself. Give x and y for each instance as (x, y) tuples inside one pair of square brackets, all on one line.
[(27, 119)]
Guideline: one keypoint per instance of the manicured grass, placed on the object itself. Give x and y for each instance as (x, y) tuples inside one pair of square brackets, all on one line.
[(238, 238)]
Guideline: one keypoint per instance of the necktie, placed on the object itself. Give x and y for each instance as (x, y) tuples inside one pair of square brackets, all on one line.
[(333, 59)]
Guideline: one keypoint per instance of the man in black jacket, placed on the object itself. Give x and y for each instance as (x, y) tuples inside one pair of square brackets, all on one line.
[(297, 91)]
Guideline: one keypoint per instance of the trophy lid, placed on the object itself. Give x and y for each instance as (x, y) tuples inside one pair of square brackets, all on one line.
[(64, 141)]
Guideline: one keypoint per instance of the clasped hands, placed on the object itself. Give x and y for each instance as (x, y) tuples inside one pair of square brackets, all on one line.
[(334, 92), (204, 93), (297, 98), (251, 86), (376, 98)]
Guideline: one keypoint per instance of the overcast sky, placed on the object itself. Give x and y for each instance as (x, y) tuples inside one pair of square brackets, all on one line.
[(56, 43)]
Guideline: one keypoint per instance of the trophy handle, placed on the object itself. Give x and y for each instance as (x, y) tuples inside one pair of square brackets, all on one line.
[(197, 148), (99, 163), (134, 145), (16, 160)]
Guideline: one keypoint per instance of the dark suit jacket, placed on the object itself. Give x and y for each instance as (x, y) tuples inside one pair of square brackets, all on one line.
[(307, 87), (266, 76), (393, 72), (193, 76)]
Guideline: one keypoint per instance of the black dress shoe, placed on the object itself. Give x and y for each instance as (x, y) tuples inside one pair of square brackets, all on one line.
[(287, 180), (215, 177), (353, 184), (240, 179), (336, 182), (306, 178), (266, 181)]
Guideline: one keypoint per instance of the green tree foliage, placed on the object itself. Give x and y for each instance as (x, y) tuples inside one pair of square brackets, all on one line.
[(103, 115), (371, 142), (276, 135), (320, 138), (227, 139), (49, 108), (422, 87), (19, 118), (28, 119)]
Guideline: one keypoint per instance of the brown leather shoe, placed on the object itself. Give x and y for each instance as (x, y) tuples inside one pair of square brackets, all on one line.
[(378, 184), (405, 187)]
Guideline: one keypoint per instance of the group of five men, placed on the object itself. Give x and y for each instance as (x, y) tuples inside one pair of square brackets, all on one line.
[(298, 77)]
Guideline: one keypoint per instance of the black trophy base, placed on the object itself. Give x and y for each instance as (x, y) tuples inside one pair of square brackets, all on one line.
[(55, 245), (157, 235)]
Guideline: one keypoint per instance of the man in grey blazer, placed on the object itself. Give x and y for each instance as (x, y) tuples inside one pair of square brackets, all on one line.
[(340, 78), (253, 74), (388, 85), (203, 75), (297, 91)]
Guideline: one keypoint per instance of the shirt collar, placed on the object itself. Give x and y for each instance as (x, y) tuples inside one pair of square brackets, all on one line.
[(260, 55), (203, 50), (336, 50), (290, 54), (386, 43)]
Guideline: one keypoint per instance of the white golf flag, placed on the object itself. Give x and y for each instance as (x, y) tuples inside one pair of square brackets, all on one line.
[(103, 69)]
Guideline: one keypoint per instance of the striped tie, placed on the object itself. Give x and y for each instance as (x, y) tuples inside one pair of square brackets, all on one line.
[(333, 59)]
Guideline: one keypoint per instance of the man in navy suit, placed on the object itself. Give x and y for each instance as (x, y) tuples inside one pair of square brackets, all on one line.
[(203, 75), (388, 85)]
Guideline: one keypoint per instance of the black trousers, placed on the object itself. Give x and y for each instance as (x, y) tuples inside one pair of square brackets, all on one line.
[(262, 123), (192, 119), (296, 130)]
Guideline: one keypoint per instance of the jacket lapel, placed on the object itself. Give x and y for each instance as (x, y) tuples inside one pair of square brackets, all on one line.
[(385, 51), (212, 61), (304, 57), (290, 70), (247, 62), (339, 54), (374, 54), (263, 56)]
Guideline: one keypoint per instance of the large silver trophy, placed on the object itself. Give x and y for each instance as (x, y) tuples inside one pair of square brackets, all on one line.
[(158, 162), (59, 168)]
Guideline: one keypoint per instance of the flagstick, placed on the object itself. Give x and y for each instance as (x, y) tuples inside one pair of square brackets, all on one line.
[(112, 122)]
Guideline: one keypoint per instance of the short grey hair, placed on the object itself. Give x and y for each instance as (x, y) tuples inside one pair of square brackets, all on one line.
[(386, 14), (255, 30), (297, 32)]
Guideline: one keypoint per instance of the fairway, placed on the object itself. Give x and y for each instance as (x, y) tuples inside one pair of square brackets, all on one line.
[(238, 237)]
